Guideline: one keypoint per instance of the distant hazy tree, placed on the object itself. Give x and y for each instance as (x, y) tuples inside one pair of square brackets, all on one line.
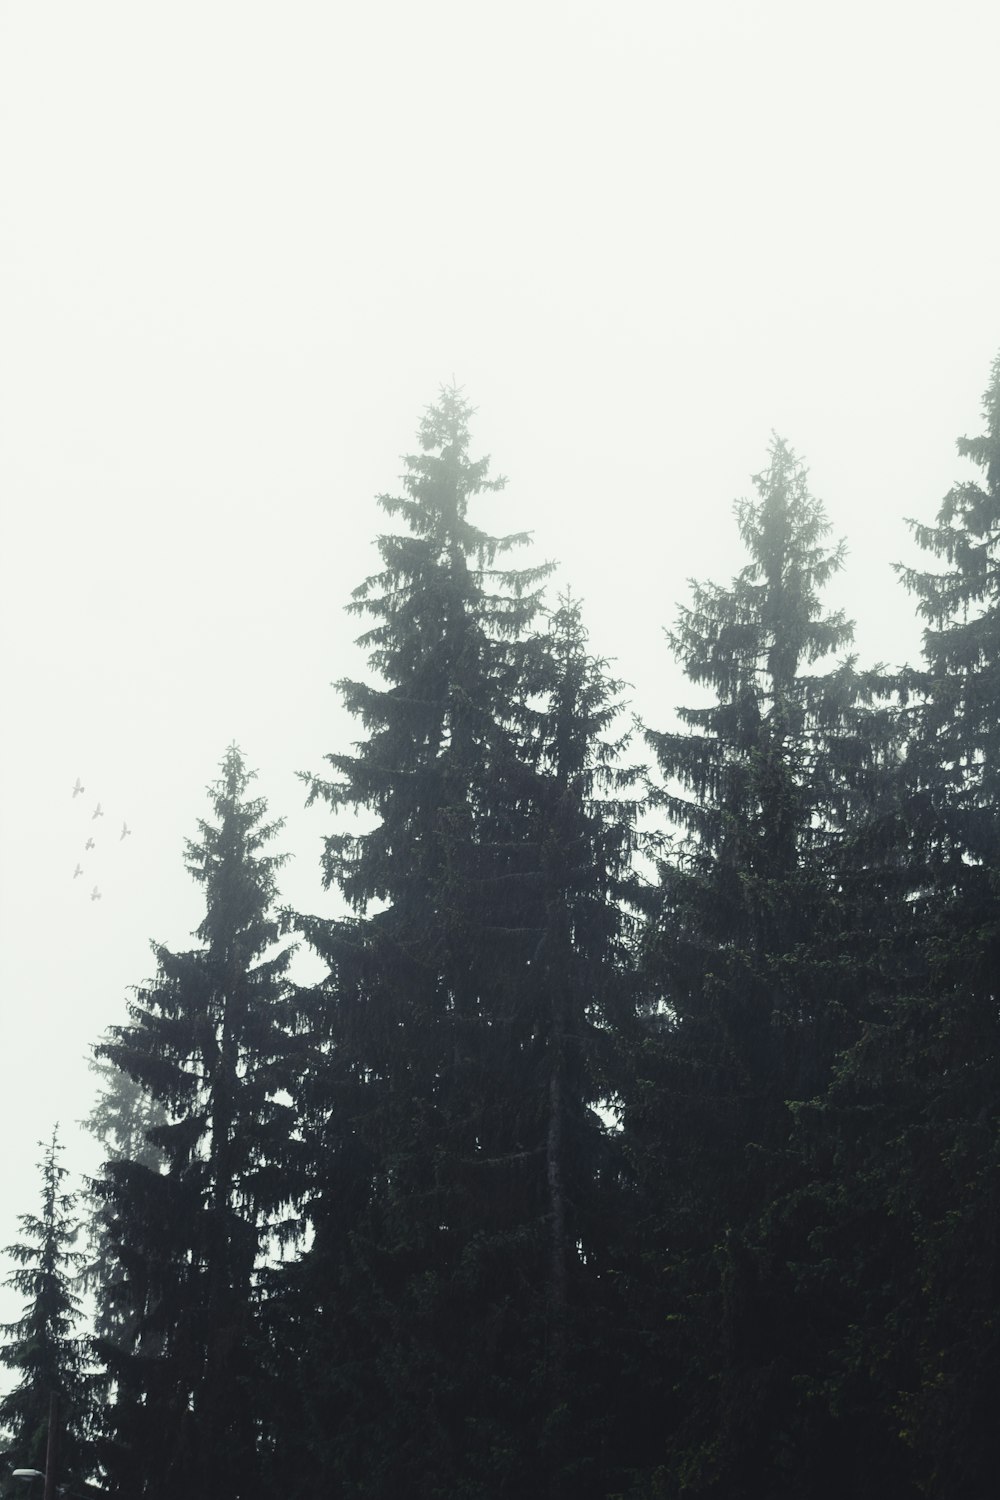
[(43, 1347), (186, 1223), (121, 1120), (123, 1114)]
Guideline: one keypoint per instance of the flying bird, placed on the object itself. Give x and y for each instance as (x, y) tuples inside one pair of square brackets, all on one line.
[(89, 844), (126, 830), (78, 788), (98, 812), (95, 894), (77, 871)]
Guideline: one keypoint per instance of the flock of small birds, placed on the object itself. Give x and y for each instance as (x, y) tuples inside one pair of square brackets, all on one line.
[(91, 842)]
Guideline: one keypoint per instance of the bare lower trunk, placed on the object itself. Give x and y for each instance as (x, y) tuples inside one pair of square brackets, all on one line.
[(52, 1447), (558, 1373)]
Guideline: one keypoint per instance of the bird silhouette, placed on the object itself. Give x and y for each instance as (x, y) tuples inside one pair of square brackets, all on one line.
[(89, 844), (126, 830), (78, 788), (98, 812), (95, 894), (77, 871)]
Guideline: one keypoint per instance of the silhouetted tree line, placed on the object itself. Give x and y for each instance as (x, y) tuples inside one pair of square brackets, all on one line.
[(572, 1179)]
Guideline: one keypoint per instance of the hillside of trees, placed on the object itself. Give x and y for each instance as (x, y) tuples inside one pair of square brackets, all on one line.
[(642, 1138)]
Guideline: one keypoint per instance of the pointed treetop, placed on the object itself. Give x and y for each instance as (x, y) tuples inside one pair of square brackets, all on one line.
[(227, 860), (445, 422), (965, 535), (985, 450), (440, 479)]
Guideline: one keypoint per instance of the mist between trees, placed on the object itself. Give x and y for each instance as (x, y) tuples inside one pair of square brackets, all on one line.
[(641, 1138)]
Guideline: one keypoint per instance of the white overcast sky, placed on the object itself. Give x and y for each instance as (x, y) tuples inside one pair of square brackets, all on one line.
[(241, 246)]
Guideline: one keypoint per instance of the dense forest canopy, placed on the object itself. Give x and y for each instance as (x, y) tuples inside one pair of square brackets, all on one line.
[(641, 1137)]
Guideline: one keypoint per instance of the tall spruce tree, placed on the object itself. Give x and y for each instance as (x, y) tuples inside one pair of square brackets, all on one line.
[(957, 723), (401, 1108), (210, 1042), (453, 1098), (915, 1107), (746, 963), (46, 1416), (759, 784), (950, 1418)]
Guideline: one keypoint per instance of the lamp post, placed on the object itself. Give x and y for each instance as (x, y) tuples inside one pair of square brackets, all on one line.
[(51, 1439)]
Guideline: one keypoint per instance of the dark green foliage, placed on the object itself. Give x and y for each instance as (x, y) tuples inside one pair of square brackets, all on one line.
[(43, 1346), (573, 999), (754, 959), (916, 1104), (409, 1221), (456, 1238), (186, 1223), (958, 691), (761, 786)]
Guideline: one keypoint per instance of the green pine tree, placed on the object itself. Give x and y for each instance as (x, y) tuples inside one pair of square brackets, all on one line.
[(754, 967), (402, 1103), (915, 1108), (458, 1239), (43, 1346), (950, 1419), (211, 1042)]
